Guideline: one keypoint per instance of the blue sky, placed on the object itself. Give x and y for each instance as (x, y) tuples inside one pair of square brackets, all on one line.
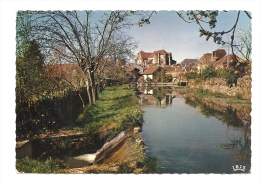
[(168, 31)]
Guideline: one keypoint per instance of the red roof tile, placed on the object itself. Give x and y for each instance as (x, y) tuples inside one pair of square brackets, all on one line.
[(188, 62), (169, 69), (150, 70), (206, 58), (226, 58), (160, 51), (146, 55)]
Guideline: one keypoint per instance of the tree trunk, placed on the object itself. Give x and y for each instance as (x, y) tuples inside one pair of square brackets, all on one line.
[(89, 95), (97, 90), (83, 103), (93, 93), (92, 85)]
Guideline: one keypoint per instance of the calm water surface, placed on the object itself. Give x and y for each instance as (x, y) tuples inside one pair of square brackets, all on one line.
[(185, 141)]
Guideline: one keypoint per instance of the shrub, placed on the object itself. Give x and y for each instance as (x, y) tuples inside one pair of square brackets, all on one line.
[(124, 168), (168, 78), (228, 76), (209, 72), (199, 90), (239, 96), (150, 165), (35, 166), (192, 75)]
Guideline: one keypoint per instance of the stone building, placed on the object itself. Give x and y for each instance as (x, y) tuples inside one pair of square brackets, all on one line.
[(160, 57), (209, 59)]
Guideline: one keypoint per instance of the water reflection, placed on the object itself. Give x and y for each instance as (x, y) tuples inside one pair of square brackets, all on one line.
[(229, 116), (241, 147), (156, 96), (189, 137)]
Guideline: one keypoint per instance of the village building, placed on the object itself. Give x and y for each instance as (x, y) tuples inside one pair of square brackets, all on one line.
[(160, 57), (226, 62), (150, 63), (175, 70), (151, 72), (219, 59), (208, 59), (188, 64)]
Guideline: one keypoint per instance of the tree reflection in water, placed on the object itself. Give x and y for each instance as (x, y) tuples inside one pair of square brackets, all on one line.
[(240, 147)]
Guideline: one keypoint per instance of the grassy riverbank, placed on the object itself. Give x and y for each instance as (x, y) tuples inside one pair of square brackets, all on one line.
[(225, 99), (116, 110), (216, 104), (236, 100)]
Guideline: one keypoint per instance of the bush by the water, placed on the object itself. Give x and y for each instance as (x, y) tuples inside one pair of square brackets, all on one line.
[(210, 72), (35, 166), (229, 77)]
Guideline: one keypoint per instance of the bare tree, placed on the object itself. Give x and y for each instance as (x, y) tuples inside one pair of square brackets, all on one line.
[(208, 17), (244, 43), (122, 47), (87, 43)]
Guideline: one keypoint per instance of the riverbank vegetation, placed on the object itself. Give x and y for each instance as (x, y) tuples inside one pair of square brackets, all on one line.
[(27, 165), (144, 165), (116, 109), (209, 72), (236, 100)]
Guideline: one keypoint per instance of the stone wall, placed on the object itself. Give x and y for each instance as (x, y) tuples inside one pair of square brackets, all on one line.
[(219, 85), (242, 112), (58, 147)]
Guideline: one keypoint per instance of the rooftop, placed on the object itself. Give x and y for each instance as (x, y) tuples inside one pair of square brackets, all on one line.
[(150, 70)]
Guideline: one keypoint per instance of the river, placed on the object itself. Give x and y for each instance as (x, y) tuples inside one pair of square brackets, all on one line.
[(185, 140)]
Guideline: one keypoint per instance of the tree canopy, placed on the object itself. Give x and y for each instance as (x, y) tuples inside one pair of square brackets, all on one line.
[(80, 38), (30, 75)]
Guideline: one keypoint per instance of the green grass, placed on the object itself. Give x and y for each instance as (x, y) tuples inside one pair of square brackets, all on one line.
[(203, 93), (150, 164), (240, 102), (116, 109), (27, 165), (237, 99)]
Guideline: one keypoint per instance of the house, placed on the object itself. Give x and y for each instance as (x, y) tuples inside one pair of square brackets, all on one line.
[(208, 59), (194, 68), (205, 61), (228, 61), (187, 64), (174, 70), (151, 72), (159, 57), (218, 54)]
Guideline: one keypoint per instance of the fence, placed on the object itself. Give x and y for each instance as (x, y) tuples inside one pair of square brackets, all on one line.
[(48, 114)]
